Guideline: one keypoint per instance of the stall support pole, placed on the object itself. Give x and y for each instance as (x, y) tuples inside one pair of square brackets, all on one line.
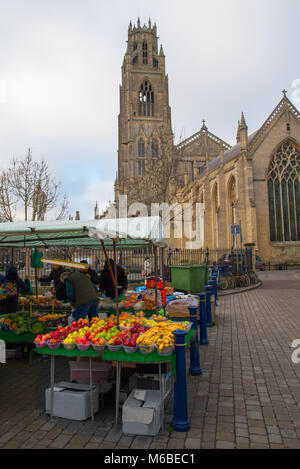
[(203, 329), (162, 396), (195, 369), (91, 389), (180, 421), (208, 306), (113, 278), (36, 282), (118, 385), (52, 365), (162, 270), (155, 273), (116, 279)]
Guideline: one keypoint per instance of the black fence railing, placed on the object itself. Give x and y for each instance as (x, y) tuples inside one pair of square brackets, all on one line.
[(133, 260)]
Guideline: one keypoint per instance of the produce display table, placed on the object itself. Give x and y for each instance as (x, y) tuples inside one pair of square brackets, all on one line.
[(61, 352), (138, 357), (118, 357), (10, 337)]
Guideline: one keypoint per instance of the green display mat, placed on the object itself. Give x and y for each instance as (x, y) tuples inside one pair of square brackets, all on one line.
[(62, 352), (120, 356), (28, 338)]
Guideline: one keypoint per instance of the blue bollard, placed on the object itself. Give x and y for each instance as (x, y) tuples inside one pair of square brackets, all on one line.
[(203, 329), (195, 369), (213, 291), (180, 421), (208, 306), (216, 288)]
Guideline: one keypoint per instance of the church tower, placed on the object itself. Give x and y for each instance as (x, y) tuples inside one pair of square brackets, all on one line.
[(144, 105)]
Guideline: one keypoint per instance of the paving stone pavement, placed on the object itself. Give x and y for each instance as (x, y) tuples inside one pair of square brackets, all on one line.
[(247, 397)]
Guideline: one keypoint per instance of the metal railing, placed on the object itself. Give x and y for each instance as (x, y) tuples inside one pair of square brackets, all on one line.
[(133, 260)]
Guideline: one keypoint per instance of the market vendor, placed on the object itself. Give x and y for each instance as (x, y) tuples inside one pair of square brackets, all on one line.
[(90, 272), (59, 289), (10, 289), (106, 283), (82, 294)]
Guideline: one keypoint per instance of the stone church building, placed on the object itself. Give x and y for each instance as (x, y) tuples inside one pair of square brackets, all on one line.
[(256, 181)]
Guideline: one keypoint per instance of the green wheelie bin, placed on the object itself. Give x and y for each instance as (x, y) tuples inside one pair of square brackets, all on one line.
[(189, 278)]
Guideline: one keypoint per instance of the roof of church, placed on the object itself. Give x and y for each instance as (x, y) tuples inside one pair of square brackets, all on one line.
[(229, 154), (254, 138), (203, 131)]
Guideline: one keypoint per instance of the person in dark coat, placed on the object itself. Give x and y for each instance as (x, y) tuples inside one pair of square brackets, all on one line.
[(90, 272), (59, 289), (10, 304), (82, 293), (106, 283)]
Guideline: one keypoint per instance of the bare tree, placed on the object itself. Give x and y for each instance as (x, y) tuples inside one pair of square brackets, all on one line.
[(64, 207), (7, 201), (21, 180), (163, 181), (31, 183)]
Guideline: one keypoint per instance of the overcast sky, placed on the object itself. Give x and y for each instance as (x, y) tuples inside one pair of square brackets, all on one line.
[(60, 71)]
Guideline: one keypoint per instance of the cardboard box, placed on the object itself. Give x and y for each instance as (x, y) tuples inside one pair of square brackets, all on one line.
[(72, 401), (141, 413)]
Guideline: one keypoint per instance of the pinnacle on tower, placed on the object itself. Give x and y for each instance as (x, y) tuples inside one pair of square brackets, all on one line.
[(149, 23), (238, 133), (243, 124), (243, 133), (161, 52), (130, 26), (138, 22)]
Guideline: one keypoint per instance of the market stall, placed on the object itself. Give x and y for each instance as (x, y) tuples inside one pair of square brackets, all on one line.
[(143, 351), (110, 235)]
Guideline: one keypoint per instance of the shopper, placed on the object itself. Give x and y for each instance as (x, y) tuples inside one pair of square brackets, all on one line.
[(106, 283), (147, 267), (10, 289), (82, 294), (90, 272), (58, 289)]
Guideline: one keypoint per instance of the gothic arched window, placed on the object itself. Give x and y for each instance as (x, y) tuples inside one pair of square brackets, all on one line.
[(284, 194), (141, 148), (146, 99), (215, 205), (232, 200), (154, 148), (145, 53)]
